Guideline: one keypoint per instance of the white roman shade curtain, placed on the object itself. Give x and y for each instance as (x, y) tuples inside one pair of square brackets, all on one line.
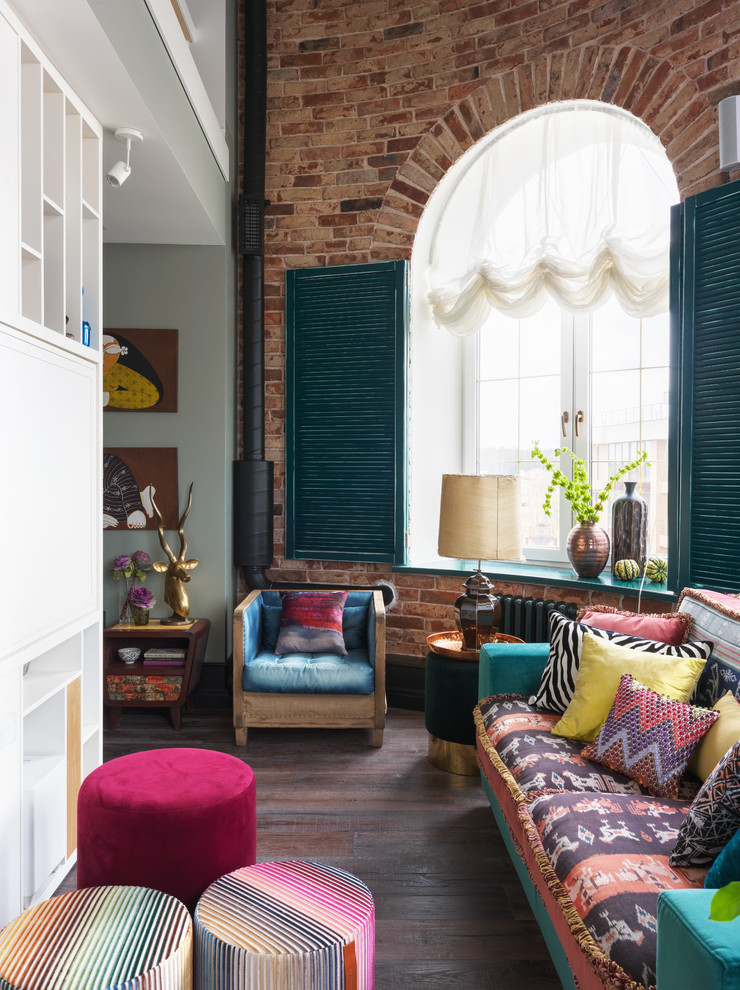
[(572, 200)]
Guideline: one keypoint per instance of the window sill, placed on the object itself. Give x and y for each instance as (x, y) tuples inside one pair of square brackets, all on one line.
[(559, 577)]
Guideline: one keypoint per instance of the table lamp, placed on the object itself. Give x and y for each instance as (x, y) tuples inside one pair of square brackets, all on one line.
[(479, 520)]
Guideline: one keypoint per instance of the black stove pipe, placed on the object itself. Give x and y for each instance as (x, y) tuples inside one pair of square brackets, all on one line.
[(253, 475)]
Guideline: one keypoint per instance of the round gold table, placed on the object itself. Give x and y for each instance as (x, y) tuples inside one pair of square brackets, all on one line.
[(450, 695)]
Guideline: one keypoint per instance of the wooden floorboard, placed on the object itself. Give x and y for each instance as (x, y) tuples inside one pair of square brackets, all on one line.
[(449, 909)]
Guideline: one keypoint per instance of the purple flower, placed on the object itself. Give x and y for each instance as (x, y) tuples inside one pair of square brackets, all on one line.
[(141, 598), (121, 567), (141, 560)]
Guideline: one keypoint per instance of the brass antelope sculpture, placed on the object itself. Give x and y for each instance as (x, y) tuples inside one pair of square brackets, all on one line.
[(177, 570)]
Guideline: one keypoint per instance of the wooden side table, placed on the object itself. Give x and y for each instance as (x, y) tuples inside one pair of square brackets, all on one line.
[(152, 685)]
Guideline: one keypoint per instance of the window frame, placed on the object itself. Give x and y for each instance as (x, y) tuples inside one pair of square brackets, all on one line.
[(448, 459), (575, 395)]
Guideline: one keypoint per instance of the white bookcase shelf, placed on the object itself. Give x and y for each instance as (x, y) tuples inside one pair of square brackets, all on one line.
[(50, 282), (60, 196)]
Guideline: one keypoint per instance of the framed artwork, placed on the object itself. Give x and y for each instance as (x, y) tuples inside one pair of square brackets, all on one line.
[(140, 370), (132, 476)]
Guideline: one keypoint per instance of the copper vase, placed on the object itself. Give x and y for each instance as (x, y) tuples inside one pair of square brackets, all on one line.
[(588, 549)]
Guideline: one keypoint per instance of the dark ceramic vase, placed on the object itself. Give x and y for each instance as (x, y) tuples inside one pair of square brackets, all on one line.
[(629, 527), (588, 549)]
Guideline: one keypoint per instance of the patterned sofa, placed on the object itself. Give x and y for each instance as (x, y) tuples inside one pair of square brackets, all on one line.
[(593, 847)]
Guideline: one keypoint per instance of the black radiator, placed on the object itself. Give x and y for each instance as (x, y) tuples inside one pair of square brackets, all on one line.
[(527, 617)]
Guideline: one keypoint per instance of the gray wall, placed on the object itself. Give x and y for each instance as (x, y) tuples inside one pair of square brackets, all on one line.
[(190, 289)]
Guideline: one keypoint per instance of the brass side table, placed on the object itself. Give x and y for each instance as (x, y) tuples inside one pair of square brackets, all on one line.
[(450, 695)]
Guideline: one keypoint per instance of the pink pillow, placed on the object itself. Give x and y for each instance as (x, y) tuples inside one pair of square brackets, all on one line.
[(311, 622), (672, 628)]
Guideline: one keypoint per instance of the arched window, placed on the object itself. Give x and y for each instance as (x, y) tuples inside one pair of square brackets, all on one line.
[(539, 313)]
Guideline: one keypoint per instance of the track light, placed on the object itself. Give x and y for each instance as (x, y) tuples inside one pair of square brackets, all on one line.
[(122, 170)]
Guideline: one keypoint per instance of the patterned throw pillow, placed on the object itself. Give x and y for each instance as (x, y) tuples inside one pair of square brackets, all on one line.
[(311, 622), (566, 639), (649, 737), (601, 666), (673, 628), (714, 815)]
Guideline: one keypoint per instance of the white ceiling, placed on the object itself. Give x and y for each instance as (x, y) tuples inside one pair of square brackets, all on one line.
[(128, 60)]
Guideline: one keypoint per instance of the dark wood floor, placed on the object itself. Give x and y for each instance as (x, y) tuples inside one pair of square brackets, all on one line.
[(449, 909)]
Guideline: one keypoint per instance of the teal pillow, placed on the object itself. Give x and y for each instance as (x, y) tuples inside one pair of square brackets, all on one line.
[(311, 622), (271, 616), (354, 627), (726, 867)]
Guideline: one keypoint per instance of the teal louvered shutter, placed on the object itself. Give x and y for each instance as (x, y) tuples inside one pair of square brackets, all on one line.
[(708, 475), (346, 363)]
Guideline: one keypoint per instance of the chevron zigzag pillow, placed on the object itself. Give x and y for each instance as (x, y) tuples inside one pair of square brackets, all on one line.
[(649, 737), (566, 639)]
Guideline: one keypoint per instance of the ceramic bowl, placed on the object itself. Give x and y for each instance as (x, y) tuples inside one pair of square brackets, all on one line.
[(129, 654)]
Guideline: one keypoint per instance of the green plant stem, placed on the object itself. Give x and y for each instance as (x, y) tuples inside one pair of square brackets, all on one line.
[(577, 490)]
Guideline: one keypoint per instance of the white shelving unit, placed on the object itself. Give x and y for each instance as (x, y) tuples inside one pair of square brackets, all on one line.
[(60, 199), (51, 393)]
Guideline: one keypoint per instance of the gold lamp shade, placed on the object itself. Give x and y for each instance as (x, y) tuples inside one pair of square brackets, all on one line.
[(480, 517), (479, 520)]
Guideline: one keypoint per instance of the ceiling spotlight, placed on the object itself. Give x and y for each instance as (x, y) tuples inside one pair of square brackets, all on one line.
[(122, 170)]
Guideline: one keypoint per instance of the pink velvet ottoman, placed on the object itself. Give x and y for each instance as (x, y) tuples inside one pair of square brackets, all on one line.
[(172, 819)]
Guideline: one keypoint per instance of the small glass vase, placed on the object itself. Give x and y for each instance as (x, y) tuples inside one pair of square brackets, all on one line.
[(124, 608), (139, 615)]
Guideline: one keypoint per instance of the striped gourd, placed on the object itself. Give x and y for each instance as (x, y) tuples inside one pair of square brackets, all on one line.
[(656, 570), (626, 570)]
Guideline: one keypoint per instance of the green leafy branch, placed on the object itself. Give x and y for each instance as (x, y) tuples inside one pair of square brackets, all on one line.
[(577, 490)]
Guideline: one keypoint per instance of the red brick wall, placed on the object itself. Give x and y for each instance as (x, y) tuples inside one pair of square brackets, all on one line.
[(370, 103)]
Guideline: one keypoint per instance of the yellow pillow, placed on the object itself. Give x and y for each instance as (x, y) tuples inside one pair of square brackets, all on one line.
[(601, 667), (724, 733)]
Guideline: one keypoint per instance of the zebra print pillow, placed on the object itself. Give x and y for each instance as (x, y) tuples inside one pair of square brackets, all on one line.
[(566, 638)]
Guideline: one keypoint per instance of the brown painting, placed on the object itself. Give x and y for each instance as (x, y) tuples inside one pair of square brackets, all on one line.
[(132, 476), (140, 370)]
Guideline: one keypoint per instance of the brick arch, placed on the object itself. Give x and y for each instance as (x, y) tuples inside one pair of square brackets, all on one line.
[(664, 98)]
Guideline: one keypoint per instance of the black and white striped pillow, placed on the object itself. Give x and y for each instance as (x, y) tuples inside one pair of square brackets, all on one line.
[(566, 638)]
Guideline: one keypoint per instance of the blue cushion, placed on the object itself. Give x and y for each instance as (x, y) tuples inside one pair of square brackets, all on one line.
[(271, 615), (354, 627), (310, 673), (354, 619), (693, 951), (726, 867)]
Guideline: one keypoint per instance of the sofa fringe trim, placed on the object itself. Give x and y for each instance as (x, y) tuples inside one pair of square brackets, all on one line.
[(610, 973), (516, 792), (488, 746)]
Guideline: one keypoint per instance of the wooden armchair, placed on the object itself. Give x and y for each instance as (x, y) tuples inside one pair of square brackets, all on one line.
[(309, 690)]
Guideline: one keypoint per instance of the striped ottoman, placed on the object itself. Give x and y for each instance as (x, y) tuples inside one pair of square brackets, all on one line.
[(99, 938), (285, 926)]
